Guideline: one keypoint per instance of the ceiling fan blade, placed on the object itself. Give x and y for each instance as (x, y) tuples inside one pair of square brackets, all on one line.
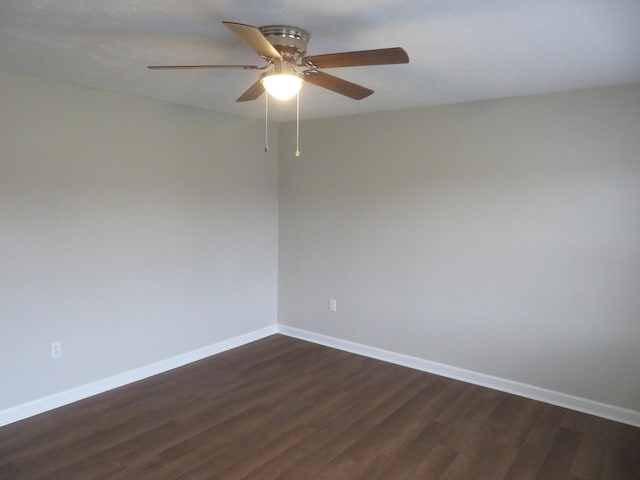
[(253, 93), (176, 67), (338, 85), (383, 56), (255, 39)]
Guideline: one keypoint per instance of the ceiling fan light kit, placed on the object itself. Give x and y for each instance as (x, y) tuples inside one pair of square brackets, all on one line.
[(284, 48), (283, 82), (282, 86)]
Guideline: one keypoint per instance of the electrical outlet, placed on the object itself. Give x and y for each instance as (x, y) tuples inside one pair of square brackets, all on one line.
[(333, 307), (56, 349)]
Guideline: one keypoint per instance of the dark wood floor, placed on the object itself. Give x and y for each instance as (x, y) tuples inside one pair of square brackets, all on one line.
[(282, 408)]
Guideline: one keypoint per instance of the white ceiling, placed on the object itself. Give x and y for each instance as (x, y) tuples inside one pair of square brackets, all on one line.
[(460, 50)]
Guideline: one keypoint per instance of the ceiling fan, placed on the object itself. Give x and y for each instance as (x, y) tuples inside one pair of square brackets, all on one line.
[(284, 48)]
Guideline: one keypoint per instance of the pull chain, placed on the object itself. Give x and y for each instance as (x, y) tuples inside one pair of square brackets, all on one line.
[(266, 122), (298, 124)]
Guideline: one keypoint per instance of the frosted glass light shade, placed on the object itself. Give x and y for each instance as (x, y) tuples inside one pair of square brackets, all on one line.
[(282, 85)]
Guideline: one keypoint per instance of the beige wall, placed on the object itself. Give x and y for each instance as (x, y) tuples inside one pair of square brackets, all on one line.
[(130, 230), (502, 237)]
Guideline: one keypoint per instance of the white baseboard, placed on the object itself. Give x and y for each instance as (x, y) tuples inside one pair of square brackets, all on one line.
[(50, 402), (592, 407)]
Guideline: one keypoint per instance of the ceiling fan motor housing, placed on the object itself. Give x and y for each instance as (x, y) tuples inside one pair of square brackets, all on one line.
[(291, 42)]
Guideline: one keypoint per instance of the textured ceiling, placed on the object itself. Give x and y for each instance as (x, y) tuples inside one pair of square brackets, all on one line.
[(460, 50)]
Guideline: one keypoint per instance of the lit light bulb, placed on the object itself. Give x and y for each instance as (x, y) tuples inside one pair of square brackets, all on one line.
[(282, 85)]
